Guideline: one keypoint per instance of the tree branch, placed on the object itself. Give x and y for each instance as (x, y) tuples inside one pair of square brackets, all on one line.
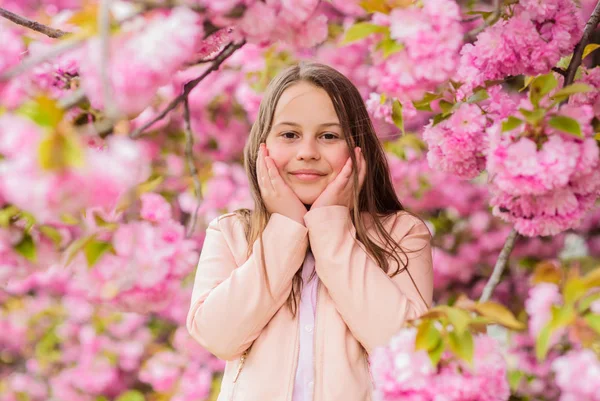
[(500, 266), (472, 34), (578, 52), (34, 25), (189, 156), (227, 51)]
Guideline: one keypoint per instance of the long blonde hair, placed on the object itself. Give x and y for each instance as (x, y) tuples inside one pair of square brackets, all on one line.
[(377, 196)]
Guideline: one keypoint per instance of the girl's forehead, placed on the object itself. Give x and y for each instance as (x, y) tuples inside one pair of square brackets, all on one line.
[(306, 102)]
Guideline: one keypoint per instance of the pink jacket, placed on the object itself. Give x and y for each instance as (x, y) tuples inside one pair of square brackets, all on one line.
[(359, 307)]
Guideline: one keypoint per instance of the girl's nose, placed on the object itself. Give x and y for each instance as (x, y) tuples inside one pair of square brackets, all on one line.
[(308, 149)]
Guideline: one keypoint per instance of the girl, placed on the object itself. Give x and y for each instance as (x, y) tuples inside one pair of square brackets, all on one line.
[(296, 293)]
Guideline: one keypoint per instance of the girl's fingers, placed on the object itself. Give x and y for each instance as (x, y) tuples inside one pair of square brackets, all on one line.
[(344, 175), (274, 176), (264, 172)]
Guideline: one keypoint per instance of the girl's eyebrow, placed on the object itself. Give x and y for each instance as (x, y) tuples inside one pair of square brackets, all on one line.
[(293, 124)]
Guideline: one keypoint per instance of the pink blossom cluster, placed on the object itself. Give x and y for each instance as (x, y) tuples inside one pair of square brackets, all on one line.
[(401, 373), (590, 77), (103, 177), (539, 306), (216, 122), (13, 50), (545, 185), (577, 375), (149, 261), (432, 36), (103, 352), (537, 381), (33, 7), (459, 144), (297, 23), (226, 191), (530, 42), (140, 62), (425, 190)]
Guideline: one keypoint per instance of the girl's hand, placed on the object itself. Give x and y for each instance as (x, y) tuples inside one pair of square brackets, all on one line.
[(339, 191), (277, 195)]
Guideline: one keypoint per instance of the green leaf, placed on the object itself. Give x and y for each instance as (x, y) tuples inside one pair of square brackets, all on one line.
[(462, 345), (533, 117), (131, 395), (372, 6), (428, 336), (589, 48), (389, 46), (514, 378), (484, 14), (59, 151), (397, 115), (593, 321), (446, 106), (94, 250), (43, 110), (51, 233), (566, 124), (540, 86), (438, 118), (436, 354), (459, 319), (6, 214), (562, 316), (542, 342), (511, 123), (577, 87), (499, 313), (26, 248), (585, 302), (478, 96), (425, 103), (361, 30), (77, 246), (574, 289), (592, 278)]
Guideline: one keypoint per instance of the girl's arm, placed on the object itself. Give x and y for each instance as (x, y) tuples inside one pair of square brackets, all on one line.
[(230, 304), (373, 305)]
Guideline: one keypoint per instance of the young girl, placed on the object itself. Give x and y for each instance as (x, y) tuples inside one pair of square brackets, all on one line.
[(296, 293)]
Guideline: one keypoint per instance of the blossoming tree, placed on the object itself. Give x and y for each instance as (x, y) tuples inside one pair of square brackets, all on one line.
[(122, 125)]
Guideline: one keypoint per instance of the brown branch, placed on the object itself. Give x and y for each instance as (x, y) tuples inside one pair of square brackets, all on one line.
[(500, 266), (229, 49), (560, 71), (34, 25), (189, 156), (472, 34), (578, 53)]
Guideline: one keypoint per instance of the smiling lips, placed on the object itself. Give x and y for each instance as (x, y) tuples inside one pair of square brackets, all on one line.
[(307, 174)]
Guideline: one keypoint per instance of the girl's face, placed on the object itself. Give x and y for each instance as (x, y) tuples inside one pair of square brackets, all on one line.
[(306, 141)]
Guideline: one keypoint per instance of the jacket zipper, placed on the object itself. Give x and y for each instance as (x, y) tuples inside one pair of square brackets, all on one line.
[(237, 374)]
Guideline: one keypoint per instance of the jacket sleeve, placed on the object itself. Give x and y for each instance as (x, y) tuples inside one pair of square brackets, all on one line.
[(231, 305), (373, 305)]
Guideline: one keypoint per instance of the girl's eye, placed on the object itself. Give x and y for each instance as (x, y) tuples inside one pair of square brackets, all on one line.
[(289, 135), (329, 136)]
